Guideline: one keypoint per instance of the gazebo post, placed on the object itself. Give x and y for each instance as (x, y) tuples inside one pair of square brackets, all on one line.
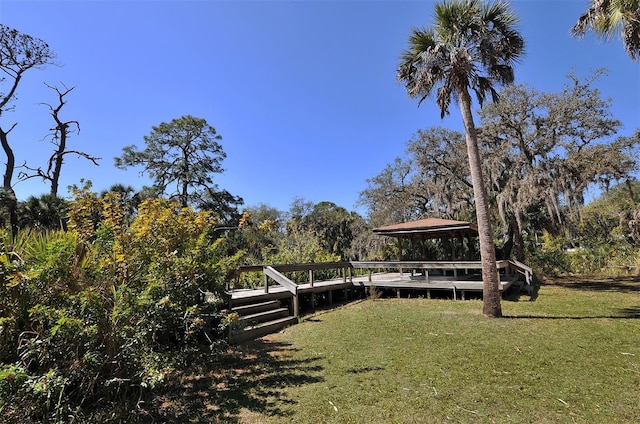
[(453, 248)]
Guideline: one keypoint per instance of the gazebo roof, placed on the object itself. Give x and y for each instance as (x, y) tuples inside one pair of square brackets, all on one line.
[(429, 228)]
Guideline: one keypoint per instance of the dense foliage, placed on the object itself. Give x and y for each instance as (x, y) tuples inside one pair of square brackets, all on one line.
[(307, 233), (108, 307), (605, 239)]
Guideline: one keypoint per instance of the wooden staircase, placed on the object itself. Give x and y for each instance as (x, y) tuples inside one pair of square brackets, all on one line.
[(260, 319)]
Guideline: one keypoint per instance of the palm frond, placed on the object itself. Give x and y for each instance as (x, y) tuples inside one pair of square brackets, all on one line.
[(631, 33), (472, 44), (609, 17), (443, 99)]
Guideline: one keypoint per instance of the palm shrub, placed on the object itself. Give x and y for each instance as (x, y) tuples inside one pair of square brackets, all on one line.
[(45, 342), (47, 212), (12, 300)]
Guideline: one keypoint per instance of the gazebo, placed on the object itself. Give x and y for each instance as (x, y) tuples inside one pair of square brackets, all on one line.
[(432, 228)]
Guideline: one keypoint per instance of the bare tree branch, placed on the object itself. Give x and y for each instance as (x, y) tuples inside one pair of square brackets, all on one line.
[(59, 137)]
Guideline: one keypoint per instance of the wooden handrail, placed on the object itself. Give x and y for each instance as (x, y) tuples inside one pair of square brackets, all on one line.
[(294, 267), (317, 266), (416, 264), (286, 283), (523, 269), (281, 279), (379, 265)]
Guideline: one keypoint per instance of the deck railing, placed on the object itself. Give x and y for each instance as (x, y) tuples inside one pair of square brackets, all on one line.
[(276, 273), (347, 269), (522, 269)]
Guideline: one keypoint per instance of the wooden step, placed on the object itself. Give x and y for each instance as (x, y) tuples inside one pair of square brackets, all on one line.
[(262, 329), (255, 308), (248, 297), (264, 316)]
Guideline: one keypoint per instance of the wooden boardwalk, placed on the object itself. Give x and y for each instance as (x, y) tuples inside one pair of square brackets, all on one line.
[(456, 285)]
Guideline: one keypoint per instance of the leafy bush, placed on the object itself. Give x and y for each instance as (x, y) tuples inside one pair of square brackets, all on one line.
[(107, 308), (549, 256)]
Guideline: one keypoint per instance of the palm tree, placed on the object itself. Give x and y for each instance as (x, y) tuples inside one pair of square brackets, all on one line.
[(472, 45), (44, 213), (608, 17)]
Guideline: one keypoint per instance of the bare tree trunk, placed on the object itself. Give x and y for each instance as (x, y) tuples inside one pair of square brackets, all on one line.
[(11, 199), (491, 306), (58, 157), (184, 195)]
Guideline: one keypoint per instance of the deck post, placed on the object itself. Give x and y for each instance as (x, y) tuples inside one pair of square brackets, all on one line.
[(330, 295), (296, 312), (311, 277), (266, 282)]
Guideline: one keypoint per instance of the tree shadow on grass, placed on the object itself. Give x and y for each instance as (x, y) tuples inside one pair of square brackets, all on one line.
[(624, 313), (633, 312), (248, 379), (623, 284), (528, 293)]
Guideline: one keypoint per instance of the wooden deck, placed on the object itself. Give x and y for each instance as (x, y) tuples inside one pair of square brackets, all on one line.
[(458, 287), (280, 300), (458, 278)]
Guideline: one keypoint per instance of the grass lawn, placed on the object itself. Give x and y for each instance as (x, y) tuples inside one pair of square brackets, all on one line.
[(568, 354), (572, 355)]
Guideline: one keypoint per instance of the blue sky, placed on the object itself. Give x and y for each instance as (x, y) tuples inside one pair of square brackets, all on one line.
[(303, 93)]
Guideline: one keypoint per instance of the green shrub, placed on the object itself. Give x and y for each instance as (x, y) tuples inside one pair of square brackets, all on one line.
[(88, 316)]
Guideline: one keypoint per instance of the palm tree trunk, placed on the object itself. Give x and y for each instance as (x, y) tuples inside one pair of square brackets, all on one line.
[(490, 290)]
